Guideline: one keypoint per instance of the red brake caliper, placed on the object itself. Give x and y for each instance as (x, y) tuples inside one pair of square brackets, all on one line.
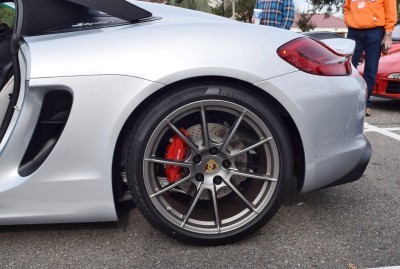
[(176, 150)]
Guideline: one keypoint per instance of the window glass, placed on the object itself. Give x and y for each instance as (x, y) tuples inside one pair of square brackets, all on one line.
[(7, 14)]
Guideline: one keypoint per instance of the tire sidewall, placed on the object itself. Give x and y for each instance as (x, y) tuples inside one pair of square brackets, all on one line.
[(169, 102)]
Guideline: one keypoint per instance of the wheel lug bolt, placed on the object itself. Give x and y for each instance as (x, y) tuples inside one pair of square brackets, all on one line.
[(197, 159), (199, 177), (213, 151), (217, 180), (226, 164)]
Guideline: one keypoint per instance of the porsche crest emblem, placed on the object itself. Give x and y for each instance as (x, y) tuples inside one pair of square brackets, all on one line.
[(210, 166)]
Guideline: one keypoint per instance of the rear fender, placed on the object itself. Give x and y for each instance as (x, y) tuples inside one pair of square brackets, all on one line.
[(341, 45)]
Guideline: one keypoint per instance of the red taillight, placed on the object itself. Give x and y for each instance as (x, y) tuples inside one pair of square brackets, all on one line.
[(315, 57)]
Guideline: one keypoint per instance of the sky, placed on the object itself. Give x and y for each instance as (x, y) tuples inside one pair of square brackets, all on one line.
[(302, 5)]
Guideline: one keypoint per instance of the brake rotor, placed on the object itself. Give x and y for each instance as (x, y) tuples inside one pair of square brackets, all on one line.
[(216, 134)]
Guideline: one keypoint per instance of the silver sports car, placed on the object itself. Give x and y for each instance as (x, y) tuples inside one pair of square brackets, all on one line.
[(203, 121)]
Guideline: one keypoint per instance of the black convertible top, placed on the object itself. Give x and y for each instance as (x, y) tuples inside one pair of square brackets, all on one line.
[(117, 8), (35, 17)]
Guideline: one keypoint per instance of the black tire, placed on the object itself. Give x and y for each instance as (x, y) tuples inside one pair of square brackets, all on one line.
[(234, 198)]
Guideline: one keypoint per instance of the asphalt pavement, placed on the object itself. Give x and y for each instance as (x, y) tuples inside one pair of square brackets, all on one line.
[(356, 225)]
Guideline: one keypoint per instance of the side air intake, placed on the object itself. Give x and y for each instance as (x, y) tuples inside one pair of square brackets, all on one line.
[(53, 117)]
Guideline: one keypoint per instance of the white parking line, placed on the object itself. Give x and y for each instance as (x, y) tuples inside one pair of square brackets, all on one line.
[(393, 129), (392, 267), (384, 131), (387, 132)]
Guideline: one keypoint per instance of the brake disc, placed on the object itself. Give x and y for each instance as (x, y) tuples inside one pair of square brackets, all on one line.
[(216, 134)]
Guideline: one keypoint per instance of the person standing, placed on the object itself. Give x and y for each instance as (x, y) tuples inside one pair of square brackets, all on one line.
[(276, 13), (370, 24), (200, 5)]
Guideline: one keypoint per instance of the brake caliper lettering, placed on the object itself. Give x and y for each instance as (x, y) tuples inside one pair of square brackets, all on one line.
[(176, 150)]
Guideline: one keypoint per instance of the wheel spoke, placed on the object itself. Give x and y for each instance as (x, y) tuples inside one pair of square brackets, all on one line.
[(252, 175), (214, 197), (193, 203), (187, 141), (247, 202), (261, 142), (215, 130), (204, 127), (232, 130), (171, 186), (168, 161)]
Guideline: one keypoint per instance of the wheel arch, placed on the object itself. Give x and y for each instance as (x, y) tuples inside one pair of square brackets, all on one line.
[(297, 145)]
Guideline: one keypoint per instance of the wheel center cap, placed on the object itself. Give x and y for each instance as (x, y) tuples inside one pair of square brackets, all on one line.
[(210, 166)]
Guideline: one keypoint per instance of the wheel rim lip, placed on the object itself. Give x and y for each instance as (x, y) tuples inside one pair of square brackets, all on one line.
[(262, 200)]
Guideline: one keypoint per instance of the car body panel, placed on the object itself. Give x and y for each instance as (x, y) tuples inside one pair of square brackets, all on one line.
[(111, 71), (314, 110), (149, 61), (74, 183), (340, 45)]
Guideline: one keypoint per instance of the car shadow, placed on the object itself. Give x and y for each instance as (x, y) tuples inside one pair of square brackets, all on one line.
[(385, 104)]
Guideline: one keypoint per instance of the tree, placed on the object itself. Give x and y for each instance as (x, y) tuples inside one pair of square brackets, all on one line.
[(243, 9), (304, 23), (329, 6)]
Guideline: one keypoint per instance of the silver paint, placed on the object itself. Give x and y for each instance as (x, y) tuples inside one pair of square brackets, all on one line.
[(111, 71)]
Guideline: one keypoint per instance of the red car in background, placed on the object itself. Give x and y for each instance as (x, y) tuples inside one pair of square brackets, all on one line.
[(387, 83)]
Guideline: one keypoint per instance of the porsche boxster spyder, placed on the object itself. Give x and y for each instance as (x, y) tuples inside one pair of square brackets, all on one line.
[(203, 121)]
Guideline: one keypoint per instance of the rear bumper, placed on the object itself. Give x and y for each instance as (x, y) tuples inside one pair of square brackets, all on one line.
[(358, 170)]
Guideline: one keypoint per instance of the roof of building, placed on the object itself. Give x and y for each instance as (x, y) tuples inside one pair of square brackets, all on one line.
[(321, 21)]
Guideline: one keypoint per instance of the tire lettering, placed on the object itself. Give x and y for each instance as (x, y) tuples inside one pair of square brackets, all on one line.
[(232, 94)]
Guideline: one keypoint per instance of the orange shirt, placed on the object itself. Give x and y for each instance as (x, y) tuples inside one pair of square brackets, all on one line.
[(364, 14)]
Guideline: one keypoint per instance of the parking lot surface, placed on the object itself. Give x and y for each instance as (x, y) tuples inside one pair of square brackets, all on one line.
[(356, 225)]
